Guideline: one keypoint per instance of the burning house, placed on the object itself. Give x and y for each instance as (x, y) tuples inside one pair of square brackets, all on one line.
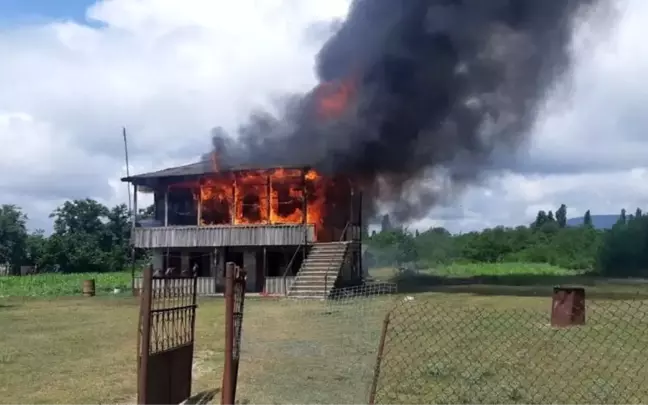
[(294, 230), (409, 91)]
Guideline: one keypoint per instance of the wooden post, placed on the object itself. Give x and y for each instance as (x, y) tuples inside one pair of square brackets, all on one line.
[(234, 201), (304, 199), (199, 205), (166, 206), (265, 261), (144, 336), (132, 239), (360, 230), (227, 388), (305, 213), (269, 188), (134, 213), (379, 359)]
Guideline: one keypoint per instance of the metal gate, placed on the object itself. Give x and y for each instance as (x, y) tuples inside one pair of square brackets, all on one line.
[(165, 343)]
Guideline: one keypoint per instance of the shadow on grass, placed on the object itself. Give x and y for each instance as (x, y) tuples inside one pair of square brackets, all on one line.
[(204, 397), (523, 285)]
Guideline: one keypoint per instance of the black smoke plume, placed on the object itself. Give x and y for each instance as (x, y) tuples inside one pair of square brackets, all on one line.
[(439, 85)]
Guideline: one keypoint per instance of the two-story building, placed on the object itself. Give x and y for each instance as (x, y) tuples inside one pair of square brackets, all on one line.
[(295, 231)]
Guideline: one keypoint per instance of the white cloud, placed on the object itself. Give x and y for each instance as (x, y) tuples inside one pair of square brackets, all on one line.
[(169, 71)]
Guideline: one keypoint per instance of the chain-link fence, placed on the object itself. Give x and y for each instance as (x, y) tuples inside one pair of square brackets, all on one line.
[(312, 351), (453, 352)]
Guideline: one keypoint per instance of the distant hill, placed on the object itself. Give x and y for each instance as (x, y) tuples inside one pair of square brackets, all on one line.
[(598, 221)]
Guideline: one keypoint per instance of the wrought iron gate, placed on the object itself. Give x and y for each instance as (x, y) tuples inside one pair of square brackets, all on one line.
[(165, 343)]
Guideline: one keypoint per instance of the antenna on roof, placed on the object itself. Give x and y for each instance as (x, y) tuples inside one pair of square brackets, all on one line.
[(127, 171)]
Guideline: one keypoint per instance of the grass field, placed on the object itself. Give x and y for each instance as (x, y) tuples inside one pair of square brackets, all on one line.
[(57, 285), (441, 347), (466, 270)]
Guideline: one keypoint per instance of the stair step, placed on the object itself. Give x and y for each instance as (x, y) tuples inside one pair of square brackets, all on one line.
[(319, 272), (322, 267)]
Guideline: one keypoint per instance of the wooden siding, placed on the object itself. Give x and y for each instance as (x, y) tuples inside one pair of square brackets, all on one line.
[(276, 285), (213, 236), (206, 286)]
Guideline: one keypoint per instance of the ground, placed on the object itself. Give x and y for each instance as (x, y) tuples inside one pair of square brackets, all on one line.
[(444, 346)]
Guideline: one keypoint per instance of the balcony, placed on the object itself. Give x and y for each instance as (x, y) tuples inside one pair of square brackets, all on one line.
[(152, 237)]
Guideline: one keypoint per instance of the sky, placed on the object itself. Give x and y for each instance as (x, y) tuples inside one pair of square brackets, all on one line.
[(73, 72)]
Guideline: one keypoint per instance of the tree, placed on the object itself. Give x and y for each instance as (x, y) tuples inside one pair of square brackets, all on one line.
[(13, 237), (385, 225), (638, 213), (622, 218), (88, 237), (587, 219), (550, 217), (146, 213), (541, 219), (561, 216)]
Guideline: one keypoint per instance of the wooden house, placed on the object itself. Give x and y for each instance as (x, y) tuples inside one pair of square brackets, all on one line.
[(296, 232)]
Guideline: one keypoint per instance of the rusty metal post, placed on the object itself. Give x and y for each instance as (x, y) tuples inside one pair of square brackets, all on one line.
[(227, 389), (568, 306), (240, 282), (144, 335), (379, 358)]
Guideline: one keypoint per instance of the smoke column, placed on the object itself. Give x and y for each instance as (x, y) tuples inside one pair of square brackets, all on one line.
[(415, 95)]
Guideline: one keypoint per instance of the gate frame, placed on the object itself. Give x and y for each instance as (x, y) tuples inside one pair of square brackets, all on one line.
[(178, 336)]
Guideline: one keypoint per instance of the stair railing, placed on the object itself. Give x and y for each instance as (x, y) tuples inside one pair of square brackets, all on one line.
[(288, 267), (326, 275)]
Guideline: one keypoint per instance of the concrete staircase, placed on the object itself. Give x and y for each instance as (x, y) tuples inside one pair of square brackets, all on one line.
[(320, 270)]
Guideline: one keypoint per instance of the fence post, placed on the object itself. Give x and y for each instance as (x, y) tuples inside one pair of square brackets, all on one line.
[(379, 357), (227, 389), (144, 338), (239, 300)]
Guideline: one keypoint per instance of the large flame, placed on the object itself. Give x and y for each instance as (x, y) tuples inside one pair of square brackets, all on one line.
[(263, 197)]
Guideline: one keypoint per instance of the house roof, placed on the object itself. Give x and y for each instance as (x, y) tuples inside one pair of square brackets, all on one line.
[(195, 169), (192, 169)]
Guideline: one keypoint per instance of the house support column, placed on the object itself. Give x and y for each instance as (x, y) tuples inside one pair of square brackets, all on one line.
[(249, 263), (184, 262), (218, 269), (157, 260)]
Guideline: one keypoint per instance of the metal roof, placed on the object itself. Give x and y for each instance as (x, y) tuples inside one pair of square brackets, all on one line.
[(198, 169)]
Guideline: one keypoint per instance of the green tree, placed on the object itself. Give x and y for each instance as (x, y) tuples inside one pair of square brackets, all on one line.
[(622, 218), (638, 213), (13, 237), (88, 237), (561, 216), (541, 219), (587, 219)]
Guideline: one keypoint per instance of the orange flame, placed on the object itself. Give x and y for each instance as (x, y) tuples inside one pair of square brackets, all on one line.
[(263, 197), (333, 97)]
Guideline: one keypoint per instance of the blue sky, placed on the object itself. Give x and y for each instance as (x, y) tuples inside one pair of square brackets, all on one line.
[(16, 12)]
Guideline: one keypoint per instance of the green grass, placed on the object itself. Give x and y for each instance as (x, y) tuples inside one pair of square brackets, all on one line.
[(466, 270), (440, 348), (54, 284), (500, 269)]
